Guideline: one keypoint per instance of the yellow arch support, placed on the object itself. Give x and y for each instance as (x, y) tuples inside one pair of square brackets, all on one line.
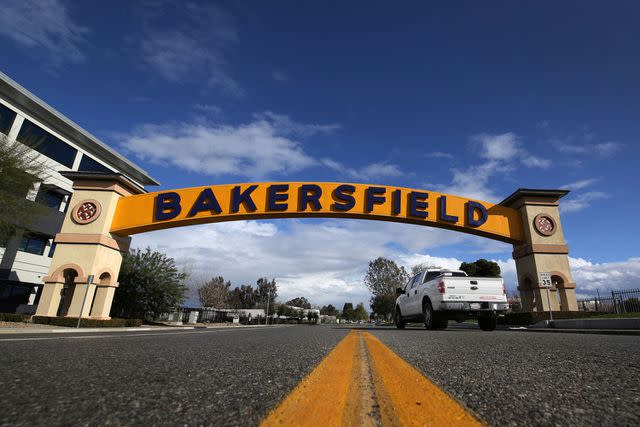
[(198, 205)]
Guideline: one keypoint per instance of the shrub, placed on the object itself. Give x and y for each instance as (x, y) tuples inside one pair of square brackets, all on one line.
[(14, 317), (86, 323)]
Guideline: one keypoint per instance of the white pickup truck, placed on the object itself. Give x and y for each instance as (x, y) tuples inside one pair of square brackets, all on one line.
[(437, 296)]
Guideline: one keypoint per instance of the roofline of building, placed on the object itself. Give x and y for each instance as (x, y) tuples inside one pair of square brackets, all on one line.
[(36, 107), (533, 192)]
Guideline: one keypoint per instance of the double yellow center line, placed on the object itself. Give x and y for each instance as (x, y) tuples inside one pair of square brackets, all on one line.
[(363, 382)]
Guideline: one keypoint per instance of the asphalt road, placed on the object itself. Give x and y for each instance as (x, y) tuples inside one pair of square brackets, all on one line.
[(530, 378), (234, 376)]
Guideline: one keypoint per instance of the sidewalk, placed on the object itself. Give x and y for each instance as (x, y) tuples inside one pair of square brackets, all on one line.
[(47, 329)]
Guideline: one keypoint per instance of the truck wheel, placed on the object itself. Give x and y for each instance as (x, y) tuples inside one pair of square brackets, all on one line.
[(399, 322), (441, 322), (487, 323), (427, 315)]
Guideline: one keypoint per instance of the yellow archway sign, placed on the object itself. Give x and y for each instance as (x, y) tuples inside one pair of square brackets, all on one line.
[(199, 205), (107, 208)]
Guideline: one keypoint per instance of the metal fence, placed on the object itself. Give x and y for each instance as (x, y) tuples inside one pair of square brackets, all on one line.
[(625, 301)]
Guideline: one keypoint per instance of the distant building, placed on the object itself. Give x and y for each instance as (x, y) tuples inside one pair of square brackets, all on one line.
[(61, 145), (328, 319), (306, 311)]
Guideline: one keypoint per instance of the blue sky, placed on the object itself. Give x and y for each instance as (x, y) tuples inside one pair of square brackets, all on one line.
[(476, 99)]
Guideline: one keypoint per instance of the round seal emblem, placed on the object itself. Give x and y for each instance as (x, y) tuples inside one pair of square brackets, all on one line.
[(86, 211), (544, 225)]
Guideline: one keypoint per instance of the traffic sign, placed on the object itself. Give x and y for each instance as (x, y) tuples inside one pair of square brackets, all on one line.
[(545, 280)]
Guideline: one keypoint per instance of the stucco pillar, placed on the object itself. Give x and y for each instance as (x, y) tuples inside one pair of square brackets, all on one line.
[(79, 297), (543, 251), (85, 245), (102, 302), (50, 299)]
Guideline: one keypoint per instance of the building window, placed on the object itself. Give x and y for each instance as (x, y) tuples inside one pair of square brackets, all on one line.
[(52, 249), (51, 196), (87, 164), (7, 116), (33, 243), (43, 142)]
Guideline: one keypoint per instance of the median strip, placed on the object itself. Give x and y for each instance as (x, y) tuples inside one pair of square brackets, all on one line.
[(363, 382)]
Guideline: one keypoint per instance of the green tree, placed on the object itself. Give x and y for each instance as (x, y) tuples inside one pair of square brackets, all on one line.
[(329, 310), (347, 311), (19, 172), (312, 316), (234, 299), (481, 268), (150, 285), (360, 313), (299, 302), (248, 296), (383, 305), (423, 266), (267, 290), (214, 293), (384, 276)]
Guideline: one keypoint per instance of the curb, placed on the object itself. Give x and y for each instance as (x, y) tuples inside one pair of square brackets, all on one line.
[(30, 331), (583, 331)]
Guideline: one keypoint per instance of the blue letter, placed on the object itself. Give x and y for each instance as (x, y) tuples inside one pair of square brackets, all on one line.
[(443, 211), (373, 198), (305, 198), (417, 204), (206, 201), (472, 207), (169, 202), (348, 201), (396, 198), (274, 196), (238, 198)]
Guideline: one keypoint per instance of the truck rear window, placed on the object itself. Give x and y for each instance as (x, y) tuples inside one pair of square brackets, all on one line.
[(455, 274)]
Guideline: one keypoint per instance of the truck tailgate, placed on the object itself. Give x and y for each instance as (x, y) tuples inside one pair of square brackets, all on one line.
[(473, 289)]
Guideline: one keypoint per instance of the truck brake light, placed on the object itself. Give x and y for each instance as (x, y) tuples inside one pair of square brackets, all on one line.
[(441, 287)]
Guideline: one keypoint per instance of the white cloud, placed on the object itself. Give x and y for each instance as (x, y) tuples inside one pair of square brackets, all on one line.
[(440, 155), (578, 202), (323, 260), (193, 45), (326, 260), (214, 110), (255, 150), (579, 185), (606, 276), (43, 24), (472, 182), (603, 149), (498, 147), (285, 126), (500, 152), (536, 162), (370, 171), (267, 145), (506, 147), (409, 260), (607, 149)]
